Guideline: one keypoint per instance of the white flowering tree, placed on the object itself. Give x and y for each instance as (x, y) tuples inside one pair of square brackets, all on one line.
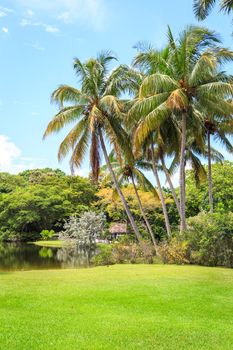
[(84, 230)]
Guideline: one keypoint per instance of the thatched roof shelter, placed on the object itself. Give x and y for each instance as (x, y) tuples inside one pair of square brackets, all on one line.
[(119, 228)]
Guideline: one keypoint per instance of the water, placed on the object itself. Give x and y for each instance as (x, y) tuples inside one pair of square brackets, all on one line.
[(18, 256)]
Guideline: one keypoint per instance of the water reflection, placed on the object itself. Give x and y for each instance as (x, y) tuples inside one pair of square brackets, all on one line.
[(75, 257), (15, 256), (46, 252)]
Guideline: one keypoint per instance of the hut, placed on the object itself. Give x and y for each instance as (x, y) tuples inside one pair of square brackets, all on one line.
[(117, 229)]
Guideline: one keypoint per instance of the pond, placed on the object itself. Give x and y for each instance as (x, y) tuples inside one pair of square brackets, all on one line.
[(22, 256)]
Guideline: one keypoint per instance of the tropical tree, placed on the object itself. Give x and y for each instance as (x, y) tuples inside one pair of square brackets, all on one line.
[(197, 197), (95, 109), (220, 128), (202, 8), (192, 82), (133, 171), (147, 61)]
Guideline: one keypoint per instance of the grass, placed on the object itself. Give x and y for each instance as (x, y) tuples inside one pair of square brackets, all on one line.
[(126, 307), (55, 243)]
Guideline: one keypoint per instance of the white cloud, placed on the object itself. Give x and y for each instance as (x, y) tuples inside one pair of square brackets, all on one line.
[(5, 30), (50, 29), (35, 45), (25, 22), (88, 12), (10, 157), (4, 11), (84, 172), (47, 27)]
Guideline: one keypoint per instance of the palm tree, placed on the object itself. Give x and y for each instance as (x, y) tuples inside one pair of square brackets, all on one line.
[(219, 127), (96, 111), (150, 61), (132, 171), (192, 82), (147, 60), (160, 190), (202, 8)]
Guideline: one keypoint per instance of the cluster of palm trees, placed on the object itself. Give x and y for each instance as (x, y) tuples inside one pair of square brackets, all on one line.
[(164, 107)]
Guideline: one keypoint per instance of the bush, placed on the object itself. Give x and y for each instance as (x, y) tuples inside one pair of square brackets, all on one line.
[(120, 253), (133, 253), (104, 257), (174, 251), (47, 234), (210, 239)]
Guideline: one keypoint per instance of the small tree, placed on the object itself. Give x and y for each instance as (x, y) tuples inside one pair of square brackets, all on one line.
[(47, 234), (84, 230)]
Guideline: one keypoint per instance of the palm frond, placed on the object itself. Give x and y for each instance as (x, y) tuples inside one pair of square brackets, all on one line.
[(68, 94), (157, 83), (66, 116), (71, 139), (79, 150)]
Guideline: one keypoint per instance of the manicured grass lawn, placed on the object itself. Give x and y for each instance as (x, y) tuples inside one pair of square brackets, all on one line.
[(126, 307), (55, 244)]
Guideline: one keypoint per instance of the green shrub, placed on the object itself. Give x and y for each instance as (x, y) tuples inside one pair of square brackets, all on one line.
[(120, 253), (47, 234), (174, 251), (104, 257), (133, 252), (210, 239)]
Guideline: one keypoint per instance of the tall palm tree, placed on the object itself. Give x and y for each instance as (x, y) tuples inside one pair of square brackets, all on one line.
[(155, 167), (202, 8), (149, 61), (133, 171), (220, 128), (95, 109), (191, 83)]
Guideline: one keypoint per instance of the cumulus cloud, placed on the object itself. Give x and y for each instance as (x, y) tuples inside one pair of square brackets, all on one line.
[(88, 12), (5, 30), (11, 159)]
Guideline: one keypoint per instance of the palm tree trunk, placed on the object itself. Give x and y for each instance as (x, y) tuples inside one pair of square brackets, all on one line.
[(210, 182), (161, 196), (183, 225), (126, 207), (169, 180), (144, 216)]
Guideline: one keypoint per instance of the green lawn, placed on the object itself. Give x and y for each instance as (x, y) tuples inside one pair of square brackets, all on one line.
[(126, 307), (55, 244)]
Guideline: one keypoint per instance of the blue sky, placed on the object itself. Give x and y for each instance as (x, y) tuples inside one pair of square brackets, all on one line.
[(40, 38)]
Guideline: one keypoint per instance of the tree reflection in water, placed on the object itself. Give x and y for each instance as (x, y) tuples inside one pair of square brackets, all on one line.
[(72, 256), (16, 256)]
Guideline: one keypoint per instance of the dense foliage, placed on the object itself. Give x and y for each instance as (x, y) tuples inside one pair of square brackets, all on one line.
[(208, 241), (111, 204), (197, 196), (36, 200)]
